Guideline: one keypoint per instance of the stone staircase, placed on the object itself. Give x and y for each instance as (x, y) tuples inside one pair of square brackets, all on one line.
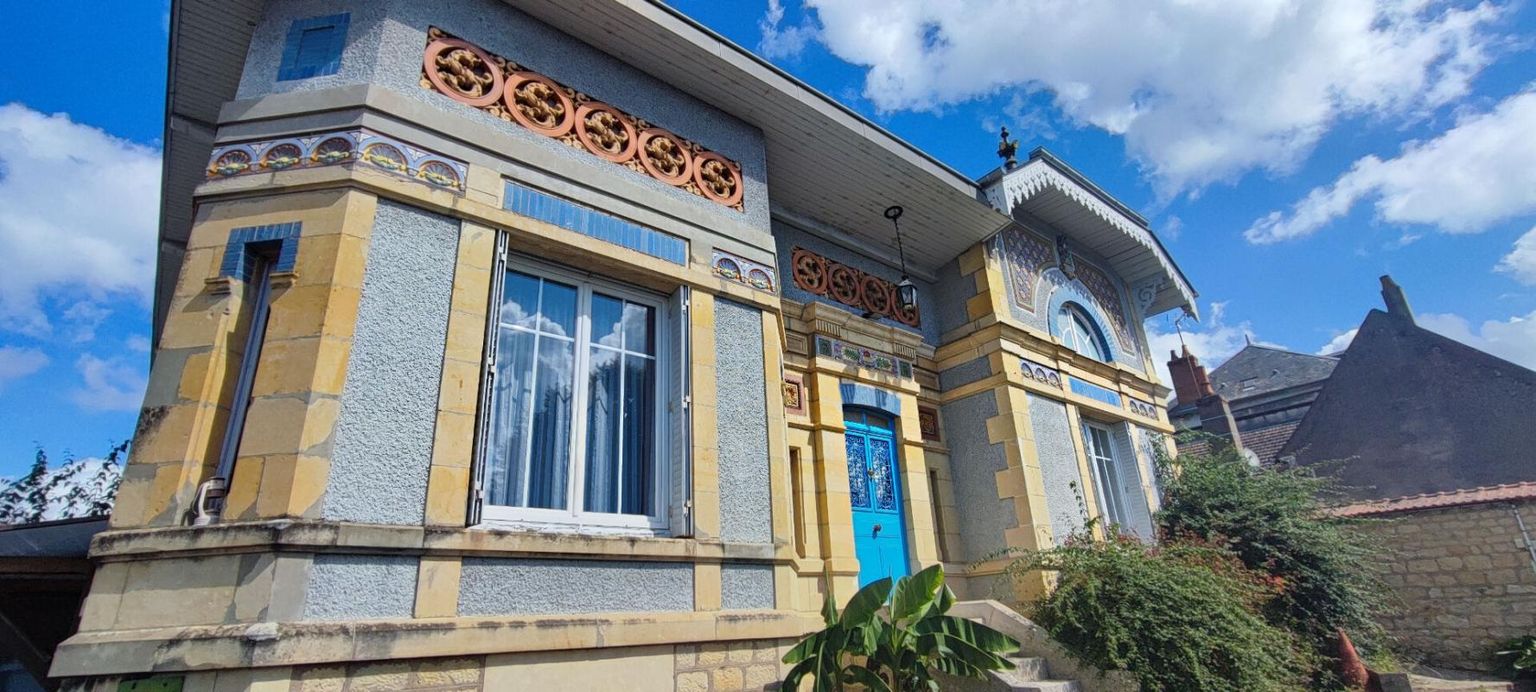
[(1042, 664)]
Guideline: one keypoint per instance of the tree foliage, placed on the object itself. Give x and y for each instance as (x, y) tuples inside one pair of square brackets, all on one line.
[(896, 649), (1177, 617), (77, 488), (1275, 521)]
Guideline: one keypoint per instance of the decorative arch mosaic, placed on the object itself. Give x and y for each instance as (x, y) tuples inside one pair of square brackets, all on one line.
[(474, 77), (1027, 256), (333, 149), (736, 268), (816, 274)]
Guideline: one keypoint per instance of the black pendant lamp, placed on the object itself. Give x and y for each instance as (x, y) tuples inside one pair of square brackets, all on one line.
[(906, 291)]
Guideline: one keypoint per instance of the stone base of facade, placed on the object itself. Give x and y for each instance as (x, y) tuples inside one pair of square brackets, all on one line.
[(702, 667)]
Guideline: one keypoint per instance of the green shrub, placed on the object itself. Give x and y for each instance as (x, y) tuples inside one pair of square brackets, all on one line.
[(900, 650), (1517, 657), (1179, 617), (1274, 521)]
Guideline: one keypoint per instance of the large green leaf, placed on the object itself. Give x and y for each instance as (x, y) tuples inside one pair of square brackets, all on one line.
[(982, 636), (916, 593), (866, 603), (865, 677)]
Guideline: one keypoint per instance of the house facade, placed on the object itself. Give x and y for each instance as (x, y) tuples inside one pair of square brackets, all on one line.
[(566, 345)]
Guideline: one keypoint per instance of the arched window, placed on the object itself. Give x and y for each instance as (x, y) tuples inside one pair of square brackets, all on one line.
[(1079, 332)]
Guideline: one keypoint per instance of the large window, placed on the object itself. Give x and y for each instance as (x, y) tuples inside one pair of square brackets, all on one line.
[(1079, 333), (1106, 478), (575, 433)]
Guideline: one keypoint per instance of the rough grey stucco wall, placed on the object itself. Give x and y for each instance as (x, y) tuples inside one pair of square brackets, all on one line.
[(965, 373), (496, 586), (745, 587), (384, 47), (383, 446), (789, 237), (360, 587), (741, 406), (974, 463), (950, 294), (1058, 465)]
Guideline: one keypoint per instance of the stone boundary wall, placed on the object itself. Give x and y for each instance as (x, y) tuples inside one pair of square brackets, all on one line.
[(1462, 579)]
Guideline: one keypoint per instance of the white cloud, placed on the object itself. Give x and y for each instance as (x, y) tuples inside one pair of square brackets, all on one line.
[(1339, 342), (1521, 260), (77, 215), (1202, 90), (1213, 341), (138, 343), (109, 385), (779, 42), (1468, 178), (1513, 339), (16, 362)]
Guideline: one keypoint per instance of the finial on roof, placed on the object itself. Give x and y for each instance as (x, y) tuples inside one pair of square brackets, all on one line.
[(1248, 338), (1397, 302), (1009, 151)]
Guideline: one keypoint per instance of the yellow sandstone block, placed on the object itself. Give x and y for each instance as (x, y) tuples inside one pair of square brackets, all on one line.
[(447, 496)]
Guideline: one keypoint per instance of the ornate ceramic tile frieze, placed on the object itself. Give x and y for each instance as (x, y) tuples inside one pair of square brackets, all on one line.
[(742, 270), (1040, 373), (794, 394), (336, 148), (1141, 408), (468, 74), (862, 357), (1026, 255), (928, 423), (816, 274)]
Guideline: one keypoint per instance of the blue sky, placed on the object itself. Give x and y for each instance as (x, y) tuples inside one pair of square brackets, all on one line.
[(1287, 152)]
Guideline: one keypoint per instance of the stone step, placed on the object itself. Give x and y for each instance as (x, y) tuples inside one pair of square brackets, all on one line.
[(1046, 686), (1028, 668)]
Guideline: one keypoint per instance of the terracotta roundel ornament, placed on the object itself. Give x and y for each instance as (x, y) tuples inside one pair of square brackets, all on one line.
[(665, 157), (809, 271), (463, 72), (844, 285), (606, 132), (877, 294), (718, 178), (539, 104)]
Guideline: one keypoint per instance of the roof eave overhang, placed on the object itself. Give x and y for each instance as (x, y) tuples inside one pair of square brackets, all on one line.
[(1048, 190)]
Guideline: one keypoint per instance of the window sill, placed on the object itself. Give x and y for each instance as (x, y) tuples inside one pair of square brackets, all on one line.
[(486, 541)]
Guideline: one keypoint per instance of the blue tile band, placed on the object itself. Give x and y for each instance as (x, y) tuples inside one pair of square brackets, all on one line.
[(239, 261), (593, 223), (1095, 392), (313, 47)]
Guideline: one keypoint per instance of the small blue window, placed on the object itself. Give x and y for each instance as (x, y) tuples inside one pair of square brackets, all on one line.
[(314, 46)]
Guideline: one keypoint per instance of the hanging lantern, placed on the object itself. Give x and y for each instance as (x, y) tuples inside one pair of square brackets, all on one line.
[(906, 291)]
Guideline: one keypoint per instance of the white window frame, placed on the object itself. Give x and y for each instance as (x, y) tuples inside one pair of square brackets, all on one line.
[(1104, 465), (574, 518), (1074, 336)]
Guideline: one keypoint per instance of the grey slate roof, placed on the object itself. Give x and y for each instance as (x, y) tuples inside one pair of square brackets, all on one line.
[(1262, 369), (1409, 412), (62, 538)]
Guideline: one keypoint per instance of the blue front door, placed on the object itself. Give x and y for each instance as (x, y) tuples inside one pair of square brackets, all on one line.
[(874, 488)]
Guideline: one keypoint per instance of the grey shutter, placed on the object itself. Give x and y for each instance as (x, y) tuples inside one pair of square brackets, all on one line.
[(680, 416), (483, 439)]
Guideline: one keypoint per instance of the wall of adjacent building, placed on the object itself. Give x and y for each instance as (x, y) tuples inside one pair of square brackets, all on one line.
[(1462, 581)]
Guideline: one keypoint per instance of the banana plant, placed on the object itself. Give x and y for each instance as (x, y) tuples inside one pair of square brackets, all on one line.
[(896, 648)]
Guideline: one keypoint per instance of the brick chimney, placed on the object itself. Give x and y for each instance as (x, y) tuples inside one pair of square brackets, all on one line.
[(1190, 383), (1397, 302)]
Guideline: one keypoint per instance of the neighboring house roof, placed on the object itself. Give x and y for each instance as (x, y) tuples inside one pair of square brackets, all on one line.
[(1510, 492), (1411, 412), (66, 538), (1266, 443), (1258, 370)]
